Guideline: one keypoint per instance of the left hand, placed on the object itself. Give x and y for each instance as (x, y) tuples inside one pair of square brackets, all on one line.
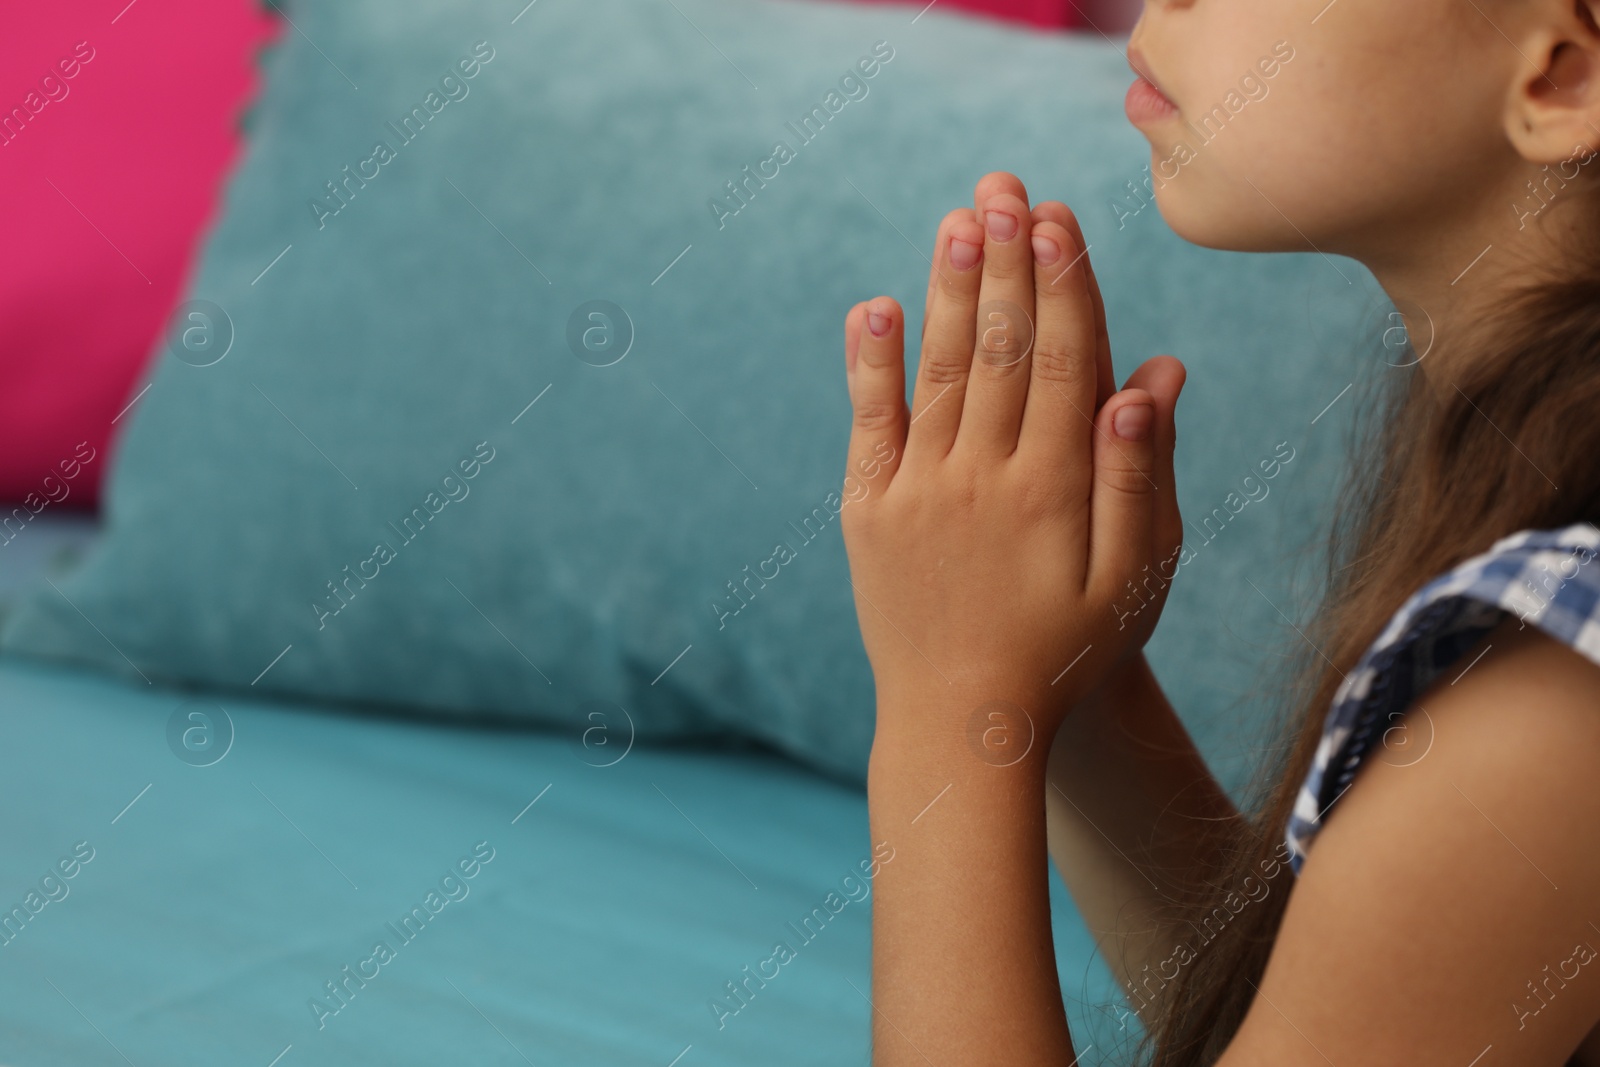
[(1005, 520)]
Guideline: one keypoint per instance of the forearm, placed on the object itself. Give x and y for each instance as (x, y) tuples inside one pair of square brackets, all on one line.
[(1134, 815), (964, 967)]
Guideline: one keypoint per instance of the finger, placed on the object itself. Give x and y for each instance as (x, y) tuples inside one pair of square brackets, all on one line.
[(995, 182), (947, 341), (852, 342), (1105, 376), (1123, 501), (1058, 420), (1163, 378), (934, 267), (998, 385), (877, 377)]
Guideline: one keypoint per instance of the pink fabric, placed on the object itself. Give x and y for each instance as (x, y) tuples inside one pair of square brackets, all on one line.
[(118, 122), (1053, 14)]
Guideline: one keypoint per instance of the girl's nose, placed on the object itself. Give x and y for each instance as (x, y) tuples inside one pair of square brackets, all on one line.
[(1160, 7)]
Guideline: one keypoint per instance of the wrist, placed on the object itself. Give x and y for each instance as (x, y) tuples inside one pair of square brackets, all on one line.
[(914, 786), (991, 721), (1104, 715), (1130, 679), (990, 751)]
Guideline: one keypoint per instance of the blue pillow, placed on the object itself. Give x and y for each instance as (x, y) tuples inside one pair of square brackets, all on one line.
[(515, 359)]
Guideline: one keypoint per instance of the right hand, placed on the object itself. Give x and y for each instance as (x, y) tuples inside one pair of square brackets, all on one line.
[(1013, 518)]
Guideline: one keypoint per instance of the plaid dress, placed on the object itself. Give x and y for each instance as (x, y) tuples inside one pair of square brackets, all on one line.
[(1547, 578)]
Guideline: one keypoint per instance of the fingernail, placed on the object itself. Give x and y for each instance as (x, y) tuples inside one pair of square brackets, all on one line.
[(1045, 250), (963, 254), (1133, 421), (878, 324), (1002, 227)]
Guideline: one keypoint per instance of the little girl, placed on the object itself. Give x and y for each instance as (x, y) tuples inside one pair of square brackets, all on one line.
[(1421, 883)]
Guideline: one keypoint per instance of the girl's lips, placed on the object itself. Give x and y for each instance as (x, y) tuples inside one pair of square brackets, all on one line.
[(1146, 103)]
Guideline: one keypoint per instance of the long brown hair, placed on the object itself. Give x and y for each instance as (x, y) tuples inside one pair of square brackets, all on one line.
[(1511, 442)]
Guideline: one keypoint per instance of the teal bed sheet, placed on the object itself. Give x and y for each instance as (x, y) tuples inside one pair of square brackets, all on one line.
[(209, 908)]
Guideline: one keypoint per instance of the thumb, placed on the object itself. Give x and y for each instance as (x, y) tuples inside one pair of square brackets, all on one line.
[(1133, 508), (1164, 377)]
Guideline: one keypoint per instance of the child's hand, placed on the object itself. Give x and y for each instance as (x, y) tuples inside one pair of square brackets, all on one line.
[(1006, 514)]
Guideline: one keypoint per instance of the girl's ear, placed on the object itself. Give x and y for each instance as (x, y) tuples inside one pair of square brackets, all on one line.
[(1554, 113)]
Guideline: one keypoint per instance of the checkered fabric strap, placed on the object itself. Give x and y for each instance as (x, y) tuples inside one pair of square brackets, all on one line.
[(1547, 578)]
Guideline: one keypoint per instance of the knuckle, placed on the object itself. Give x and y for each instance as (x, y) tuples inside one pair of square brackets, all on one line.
[(1062, 366), (943, 366), (1002, 364), (1005, 327), (1009, 269), (1126, 478), (877, 414)]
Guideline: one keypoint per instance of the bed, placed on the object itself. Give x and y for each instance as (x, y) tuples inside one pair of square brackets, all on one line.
[(243, 830), (626, 889)]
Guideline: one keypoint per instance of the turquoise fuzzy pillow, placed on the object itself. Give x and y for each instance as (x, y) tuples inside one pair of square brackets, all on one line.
[(511, 384)]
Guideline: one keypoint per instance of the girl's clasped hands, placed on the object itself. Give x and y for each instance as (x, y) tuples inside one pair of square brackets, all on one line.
[(1024, 496)]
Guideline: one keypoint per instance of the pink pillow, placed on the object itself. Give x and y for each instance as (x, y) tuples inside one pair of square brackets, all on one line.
[(118, 122), (1054, 14)]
